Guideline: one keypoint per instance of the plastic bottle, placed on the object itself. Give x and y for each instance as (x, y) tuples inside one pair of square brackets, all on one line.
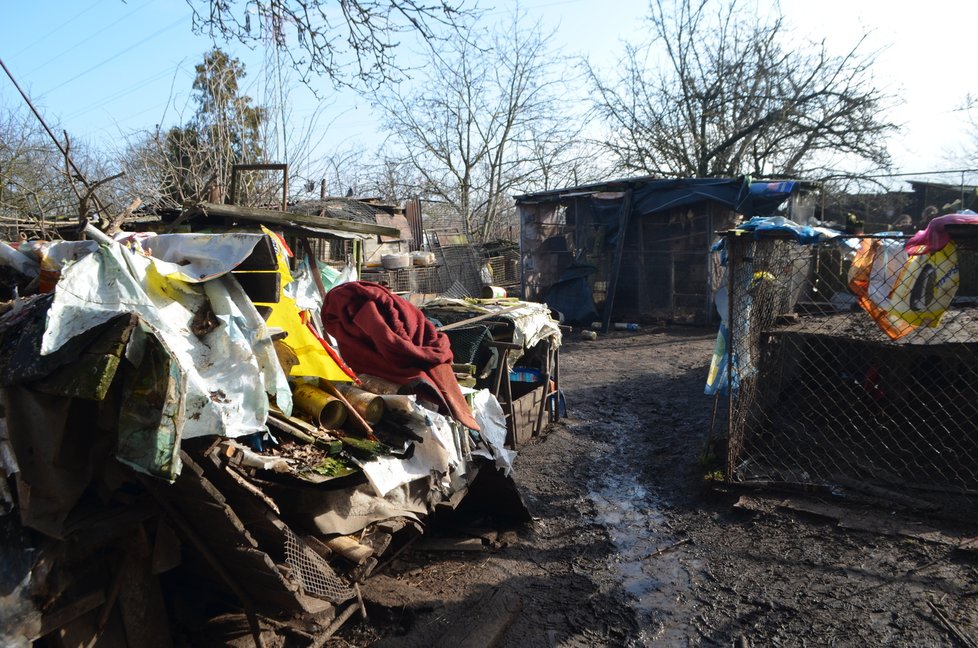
[(621, 326)]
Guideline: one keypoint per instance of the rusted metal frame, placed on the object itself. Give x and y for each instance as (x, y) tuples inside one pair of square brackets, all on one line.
[(609, 299), (208, 555), (284, 168)]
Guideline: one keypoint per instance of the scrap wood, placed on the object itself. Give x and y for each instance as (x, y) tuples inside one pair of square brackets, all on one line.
[(251, 488), (451, 544), (885, 494), (851, 519), (293, 427), (350, 549), (114, 226), (481, 624), (188, 532), (668, 548), (755, 504), (51, 621), (336, 625), (953, 629)]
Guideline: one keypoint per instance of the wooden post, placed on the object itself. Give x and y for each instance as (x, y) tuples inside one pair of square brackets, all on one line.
[(609, 300)]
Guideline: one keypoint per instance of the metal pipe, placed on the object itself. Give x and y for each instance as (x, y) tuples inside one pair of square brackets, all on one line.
[(96, 234), (370, 406), (329, 411)]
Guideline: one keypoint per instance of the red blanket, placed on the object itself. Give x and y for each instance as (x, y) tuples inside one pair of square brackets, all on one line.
[(381, 334)]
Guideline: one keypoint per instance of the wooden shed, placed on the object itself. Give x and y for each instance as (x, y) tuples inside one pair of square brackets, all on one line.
[(637, 248)]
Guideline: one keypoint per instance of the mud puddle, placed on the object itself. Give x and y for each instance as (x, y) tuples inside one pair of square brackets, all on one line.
[(634, 519)]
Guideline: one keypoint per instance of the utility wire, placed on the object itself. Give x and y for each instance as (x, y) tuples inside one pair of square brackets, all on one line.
[(158, 32), (91, 36), (37, 41)]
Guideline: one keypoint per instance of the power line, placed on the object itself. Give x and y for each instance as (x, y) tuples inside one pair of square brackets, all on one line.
[(91, 36), (37, 41), (115, 56), (116, 96)]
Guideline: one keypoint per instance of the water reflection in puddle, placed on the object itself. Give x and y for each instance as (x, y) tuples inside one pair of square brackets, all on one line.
[(637, 527)]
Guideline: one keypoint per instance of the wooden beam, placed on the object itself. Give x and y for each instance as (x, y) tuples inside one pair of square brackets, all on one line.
[(609, 298), (276, 217)]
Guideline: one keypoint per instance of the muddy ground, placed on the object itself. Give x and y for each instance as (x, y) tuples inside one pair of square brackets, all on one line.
[(619, 481)]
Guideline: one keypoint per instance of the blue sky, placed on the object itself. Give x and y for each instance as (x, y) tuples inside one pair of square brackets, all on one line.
[(104, 68)]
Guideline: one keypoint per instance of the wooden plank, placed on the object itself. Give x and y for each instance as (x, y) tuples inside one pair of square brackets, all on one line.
[(206, 510), (609, 299), (144, 615), (450, 544), (275, 217), (483, 624), (875, 522), (51, 621)]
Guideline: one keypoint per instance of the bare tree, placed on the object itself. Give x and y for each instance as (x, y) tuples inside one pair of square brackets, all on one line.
[(964, 153), (341, 39), (36, 188), (173, 166), (734, 95), (480, 122)]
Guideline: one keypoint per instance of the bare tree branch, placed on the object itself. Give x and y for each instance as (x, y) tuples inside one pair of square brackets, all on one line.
[(733, 96), (487, 121), (342, 39)]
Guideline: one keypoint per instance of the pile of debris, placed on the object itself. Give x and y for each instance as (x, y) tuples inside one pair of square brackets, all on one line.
[(187, 459)]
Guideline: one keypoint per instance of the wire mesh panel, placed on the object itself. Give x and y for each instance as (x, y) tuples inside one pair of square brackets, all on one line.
[(313, 572), (854, 366), (458, 261)]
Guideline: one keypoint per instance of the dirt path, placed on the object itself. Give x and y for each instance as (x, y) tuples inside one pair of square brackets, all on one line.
[(629, 549)]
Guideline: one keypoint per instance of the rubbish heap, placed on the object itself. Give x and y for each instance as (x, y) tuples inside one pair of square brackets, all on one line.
[(187, 458)]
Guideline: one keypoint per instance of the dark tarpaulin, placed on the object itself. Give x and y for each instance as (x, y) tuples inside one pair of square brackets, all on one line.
[(571, 295), (739, 194), (658, 196)]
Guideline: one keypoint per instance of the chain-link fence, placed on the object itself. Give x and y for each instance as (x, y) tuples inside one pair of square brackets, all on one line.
[(854, 366)]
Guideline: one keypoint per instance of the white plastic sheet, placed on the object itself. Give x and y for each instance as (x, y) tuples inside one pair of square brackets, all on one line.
[(489, 415), (199, 257), (437, 454), (227, 369)]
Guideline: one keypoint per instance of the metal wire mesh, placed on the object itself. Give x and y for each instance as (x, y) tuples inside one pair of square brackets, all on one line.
[(855, 368), (417, 279), (458, 261), (314, 574)]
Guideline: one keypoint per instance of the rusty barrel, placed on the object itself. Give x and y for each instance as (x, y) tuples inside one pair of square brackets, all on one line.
[(369, 406), (330, 412)]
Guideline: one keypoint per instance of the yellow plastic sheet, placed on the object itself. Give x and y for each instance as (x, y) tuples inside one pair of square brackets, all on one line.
[(315, 356)]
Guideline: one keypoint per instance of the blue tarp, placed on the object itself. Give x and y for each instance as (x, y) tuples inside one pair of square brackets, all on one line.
[(739, 194), (659, 196)]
